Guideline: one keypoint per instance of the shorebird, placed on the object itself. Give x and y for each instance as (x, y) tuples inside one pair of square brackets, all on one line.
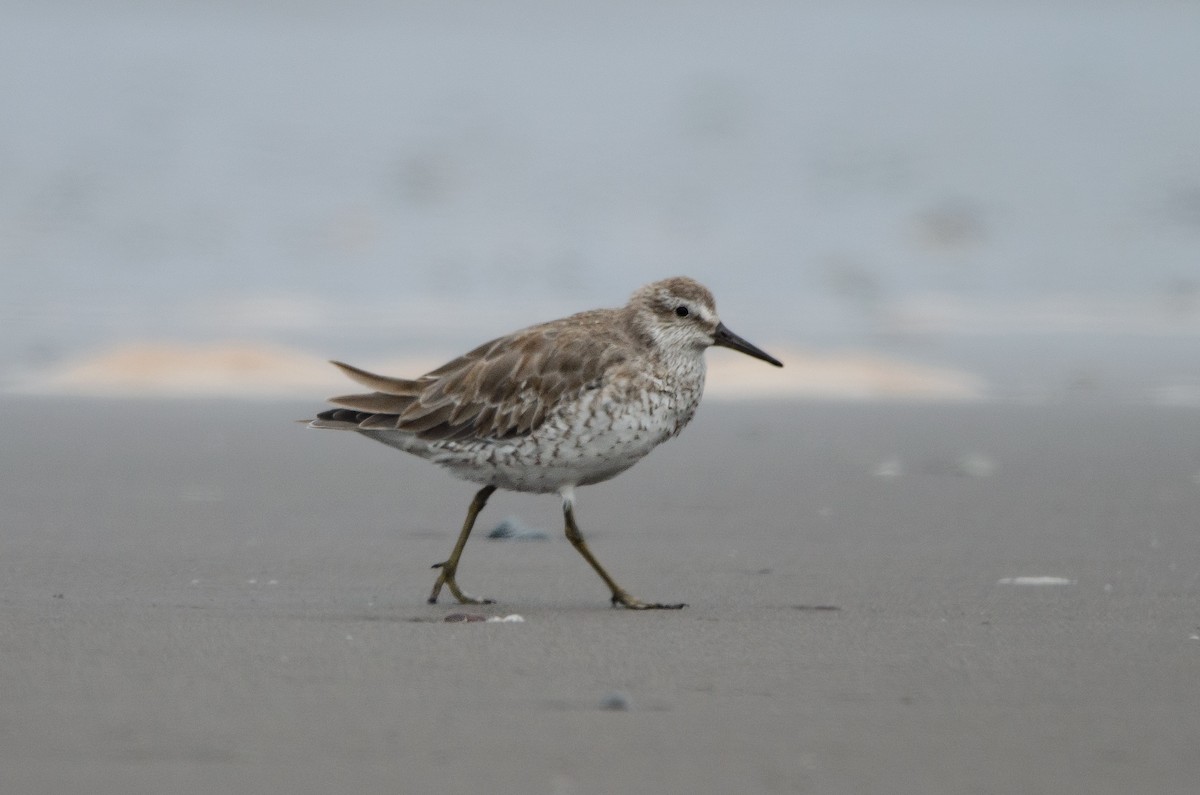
[(562, 404)]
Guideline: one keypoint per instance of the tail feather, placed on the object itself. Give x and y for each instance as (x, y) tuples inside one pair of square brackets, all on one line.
[(378, 410)]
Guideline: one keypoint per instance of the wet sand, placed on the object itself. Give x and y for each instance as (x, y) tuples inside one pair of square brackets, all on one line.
[(201, 597)]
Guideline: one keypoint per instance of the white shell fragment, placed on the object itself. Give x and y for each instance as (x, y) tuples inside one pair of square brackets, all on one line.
[(1034, 581), (889, 468), (975, 465)]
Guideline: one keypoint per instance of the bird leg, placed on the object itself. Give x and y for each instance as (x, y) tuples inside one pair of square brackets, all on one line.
[(450, 566), (619, 595)]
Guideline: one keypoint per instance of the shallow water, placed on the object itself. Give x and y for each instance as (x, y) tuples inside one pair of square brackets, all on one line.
[(357, 178)]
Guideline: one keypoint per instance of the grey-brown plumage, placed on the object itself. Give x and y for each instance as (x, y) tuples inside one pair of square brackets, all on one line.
[(501, 389), (561, 404)]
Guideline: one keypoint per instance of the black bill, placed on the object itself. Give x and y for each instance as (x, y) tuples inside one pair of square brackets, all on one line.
[(727, 339)]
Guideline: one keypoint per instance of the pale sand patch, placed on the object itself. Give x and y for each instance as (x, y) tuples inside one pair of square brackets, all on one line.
[(269, 371), (182, 370), (843, 375)]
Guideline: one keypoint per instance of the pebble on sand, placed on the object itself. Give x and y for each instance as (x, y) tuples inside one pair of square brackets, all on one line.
[(615, 700), (514, 529)]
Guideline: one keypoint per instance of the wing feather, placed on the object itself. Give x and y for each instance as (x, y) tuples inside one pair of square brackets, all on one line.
[(379, 422), (374, 403), (381, 383), (502, 389)]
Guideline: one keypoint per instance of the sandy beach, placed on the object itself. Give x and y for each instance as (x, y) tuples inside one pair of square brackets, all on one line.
[(201, 597)]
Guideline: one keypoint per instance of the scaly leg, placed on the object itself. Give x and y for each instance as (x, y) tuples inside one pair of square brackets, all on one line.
[(450, 566), (619, 595)]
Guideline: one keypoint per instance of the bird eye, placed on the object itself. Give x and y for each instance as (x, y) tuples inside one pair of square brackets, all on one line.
[(681, 311)]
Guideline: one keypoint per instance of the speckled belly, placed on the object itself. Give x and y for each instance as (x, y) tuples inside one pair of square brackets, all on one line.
[(589, 442)]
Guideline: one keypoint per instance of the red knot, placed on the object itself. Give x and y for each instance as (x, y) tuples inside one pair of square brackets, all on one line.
[(552, 407)]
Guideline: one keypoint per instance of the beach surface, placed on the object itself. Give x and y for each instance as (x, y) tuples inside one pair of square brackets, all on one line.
[(203, 597)]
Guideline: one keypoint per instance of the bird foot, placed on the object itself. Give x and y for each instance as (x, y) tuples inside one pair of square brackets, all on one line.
[(447, 578), (631, 603)]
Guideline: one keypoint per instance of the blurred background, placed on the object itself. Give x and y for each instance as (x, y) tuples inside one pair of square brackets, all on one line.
[(1009, 192)]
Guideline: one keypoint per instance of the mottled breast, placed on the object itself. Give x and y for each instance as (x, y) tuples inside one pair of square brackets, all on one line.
[(587, 440)]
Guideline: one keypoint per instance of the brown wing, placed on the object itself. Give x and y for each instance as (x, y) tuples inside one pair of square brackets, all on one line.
[(503, 389)]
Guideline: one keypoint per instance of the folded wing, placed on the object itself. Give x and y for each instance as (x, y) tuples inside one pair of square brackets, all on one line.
[(503, 389)]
